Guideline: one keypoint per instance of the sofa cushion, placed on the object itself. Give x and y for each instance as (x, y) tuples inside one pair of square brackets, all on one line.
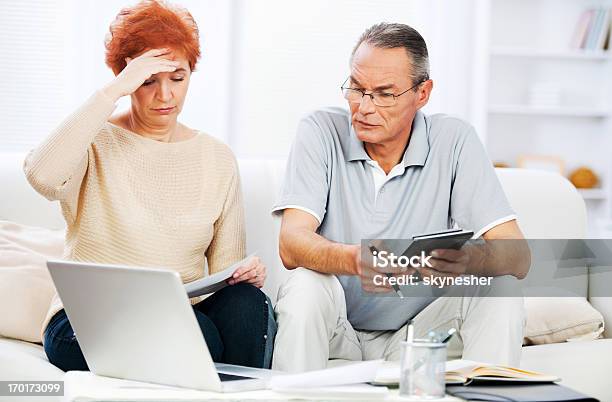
[(25, 361), (26, 288), (559, 319)]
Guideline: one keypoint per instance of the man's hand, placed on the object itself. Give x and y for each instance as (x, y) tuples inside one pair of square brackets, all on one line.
[(504, 252), (253, 272), (367, 272), (449, 262)]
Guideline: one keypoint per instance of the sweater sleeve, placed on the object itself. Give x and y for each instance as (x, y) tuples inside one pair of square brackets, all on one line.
[(57, 166), (229, 239)]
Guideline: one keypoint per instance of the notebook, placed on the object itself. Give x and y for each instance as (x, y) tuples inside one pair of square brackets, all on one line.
[(517, 393), (448, 239), (466, 371)]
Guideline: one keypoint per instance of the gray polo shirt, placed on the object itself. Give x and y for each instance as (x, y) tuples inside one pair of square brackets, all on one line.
[(445, 180)]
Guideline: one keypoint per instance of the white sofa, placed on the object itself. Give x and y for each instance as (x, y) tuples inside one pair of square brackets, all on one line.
[(547, 206)]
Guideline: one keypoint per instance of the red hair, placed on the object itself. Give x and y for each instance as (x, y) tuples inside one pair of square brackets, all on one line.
[(151, 24)]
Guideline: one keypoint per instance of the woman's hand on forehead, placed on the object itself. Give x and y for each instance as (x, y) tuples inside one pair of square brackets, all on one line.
[(138, 70)]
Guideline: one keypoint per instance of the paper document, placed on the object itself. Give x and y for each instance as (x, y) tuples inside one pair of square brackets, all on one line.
[(352, 373), (244, 371), (214, 282)]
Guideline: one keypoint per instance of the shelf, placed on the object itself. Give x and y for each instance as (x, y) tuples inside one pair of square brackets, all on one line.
[(562, 111), (569, 54), (593, 193)]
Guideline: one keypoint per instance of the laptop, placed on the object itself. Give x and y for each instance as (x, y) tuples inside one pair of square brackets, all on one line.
[(138, 324)]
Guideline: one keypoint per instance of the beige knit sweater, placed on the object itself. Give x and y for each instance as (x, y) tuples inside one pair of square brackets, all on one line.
[(135, 201)]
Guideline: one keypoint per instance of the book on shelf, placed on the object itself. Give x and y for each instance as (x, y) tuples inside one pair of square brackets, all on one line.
[(593, 30), (604, 30), (582, 30)]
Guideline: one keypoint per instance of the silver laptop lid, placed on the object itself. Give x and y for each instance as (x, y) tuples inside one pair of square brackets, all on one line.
[(135, 323)]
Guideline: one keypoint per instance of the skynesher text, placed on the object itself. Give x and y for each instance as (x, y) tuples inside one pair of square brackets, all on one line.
[(436, 281)]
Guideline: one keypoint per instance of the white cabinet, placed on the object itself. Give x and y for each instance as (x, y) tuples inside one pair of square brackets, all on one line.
[(535, 95)]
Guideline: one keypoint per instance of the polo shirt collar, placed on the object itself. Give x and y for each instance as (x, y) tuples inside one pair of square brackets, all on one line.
[(418, 147), (416, 151), (356, 151)]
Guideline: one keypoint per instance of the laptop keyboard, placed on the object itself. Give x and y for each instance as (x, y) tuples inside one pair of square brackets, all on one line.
[(230, 377)]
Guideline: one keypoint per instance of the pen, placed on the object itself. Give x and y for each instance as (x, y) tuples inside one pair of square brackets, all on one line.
[(410, 338), (410, 331), (449, 335), (395, 287)]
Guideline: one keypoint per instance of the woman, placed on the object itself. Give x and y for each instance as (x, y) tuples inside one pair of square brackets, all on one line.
[(139, 188)]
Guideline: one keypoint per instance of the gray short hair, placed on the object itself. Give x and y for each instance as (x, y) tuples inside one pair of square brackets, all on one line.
[(389, 36)]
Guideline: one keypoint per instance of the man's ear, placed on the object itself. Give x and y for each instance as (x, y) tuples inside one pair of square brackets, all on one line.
[(424, 93)]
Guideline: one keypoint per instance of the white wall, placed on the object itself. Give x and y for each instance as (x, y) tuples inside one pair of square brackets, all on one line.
[(31, 38), (292, 58), (206, 106), (265, 63)]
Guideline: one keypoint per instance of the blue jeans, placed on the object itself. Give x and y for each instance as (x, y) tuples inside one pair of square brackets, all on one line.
[(237, 323)]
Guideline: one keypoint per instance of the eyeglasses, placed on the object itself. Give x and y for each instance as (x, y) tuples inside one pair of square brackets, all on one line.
[(382, 99)]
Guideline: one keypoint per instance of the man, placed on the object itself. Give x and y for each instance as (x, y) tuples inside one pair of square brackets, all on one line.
[(388, 171)]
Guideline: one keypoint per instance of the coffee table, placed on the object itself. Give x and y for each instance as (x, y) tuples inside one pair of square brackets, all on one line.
[(85, 386)]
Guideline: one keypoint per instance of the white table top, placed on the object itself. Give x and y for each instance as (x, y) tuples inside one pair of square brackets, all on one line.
[(80, 386)]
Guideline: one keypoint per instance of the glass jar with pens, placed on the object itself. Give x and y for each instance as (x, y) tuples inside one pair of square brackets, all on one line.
[(422, 364)]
